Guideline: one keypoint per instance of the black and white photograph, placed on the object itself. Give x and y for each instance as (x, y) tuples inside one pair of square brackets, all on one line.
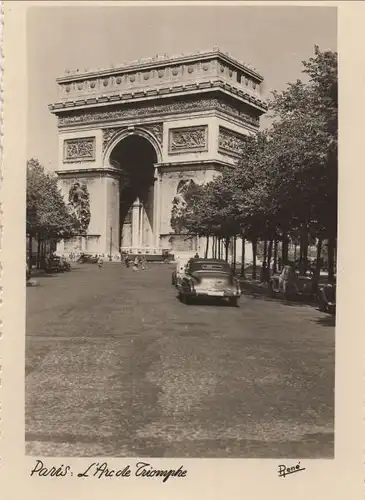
[(181, 231)]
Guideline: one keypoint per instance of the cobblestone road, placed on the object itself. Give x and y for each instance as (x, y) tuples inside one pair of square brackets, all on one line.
[(117, 366)]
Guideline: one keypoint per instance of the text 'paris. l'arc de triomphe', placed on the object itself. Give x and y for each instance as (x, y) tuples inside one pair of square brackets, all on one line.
[(132, 137)]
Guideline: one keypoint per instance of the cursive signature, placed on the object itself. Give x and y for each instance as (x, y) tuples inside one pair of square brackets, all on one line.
[(284, 470)]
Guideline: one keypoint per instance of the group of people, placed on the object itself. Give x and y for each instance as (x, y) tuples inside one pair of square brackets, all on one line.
[(138, 263)]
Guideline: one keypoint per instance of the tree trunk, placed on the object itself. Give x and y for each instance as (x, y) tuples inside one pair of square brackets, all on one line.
[(295, 252), (206, 247), (317, 271), (265, 252), (243, 257), (39, 243), (30, 255), (254, 252), (303, 250), (275, 263), (234, 249), (213, 247), (269, 255), (284, 249), (219, 248), (226, 248), (331, 259)]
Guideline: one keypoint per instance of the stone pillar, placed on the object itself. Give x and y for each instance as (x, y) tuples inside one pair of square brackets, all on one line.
[(157, 208), (140, 226), (136, 224)]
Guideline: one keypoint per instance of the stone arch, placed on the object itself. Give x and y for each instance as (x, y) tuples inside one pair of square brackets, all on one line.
[(127, 132)]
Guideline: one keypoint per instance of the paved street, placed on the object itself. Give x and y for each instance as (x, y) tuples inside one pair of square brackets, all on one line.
[(117, 366)]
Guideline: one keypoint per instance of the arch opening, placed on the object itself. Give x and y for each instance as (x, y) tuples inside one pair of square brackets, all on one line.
[(136, 157)]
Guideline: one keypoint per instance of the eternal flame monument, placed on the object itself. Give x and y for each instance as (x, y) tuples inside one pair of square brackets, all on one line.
[(132, 137)]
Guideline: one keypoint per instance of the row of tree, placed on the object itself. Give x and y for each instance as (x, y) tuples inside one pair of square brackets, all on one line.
[(284, 188), (48, 217)]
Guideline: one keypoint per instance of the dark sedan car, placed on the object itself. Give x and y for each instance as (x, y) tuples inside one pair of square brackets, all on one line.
[(209, 278)]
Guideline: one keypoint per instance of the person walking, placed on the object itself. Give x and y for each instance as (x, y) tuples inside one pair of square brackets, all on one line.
[(144, 263), (100, 262), (136, 263)]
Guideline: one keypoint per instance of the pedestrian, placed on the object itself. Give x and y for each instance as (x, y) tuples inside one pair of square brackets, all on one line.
[(100, 262), (136, 263), (196, 256), (264, 274), (144, 263)]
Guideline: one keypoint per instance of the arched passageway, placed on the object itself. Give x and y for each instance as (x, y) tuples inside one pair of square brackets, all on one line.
[(136, 158)]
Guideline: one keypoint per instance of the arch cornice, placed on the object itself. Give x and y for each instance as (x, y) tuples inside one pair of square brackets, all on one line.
[(127, 132)]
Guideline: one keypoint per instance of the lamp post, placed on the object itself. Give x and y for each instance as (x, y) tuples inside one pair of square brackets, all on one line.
[(111, 243)]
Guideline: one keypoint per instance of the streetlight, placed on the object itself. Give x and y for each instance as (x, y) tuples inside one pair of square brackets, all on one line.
[(111, 243)]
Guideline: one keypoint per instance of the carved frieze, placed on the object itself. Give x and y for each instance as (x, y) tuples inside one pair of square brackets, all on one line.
[(230, 142), (113, 113), (188, 139), (79, 150)]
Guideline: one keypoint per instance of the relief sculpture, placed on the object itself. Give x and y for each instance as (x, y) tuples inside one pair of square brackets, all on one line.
[(108, 135), (82, 149), (115, 113), (79, 204), (188, 139), (156, 129), (230, 142)]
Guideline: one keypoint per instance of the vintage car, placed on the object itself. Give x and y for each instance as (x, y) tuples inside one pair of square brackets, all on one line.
[(290, 285), (209, 278)]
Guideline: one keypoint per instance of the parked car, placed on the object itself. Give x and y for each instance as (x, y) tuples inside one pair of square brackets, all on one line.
[(209, 278), (289, 285), (326, 297), (87, 258), (64, 264), (52, 265)]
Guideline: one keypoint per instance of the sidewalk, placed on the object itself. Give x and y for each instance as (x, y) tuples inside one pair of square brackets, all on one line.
[(257, 288)]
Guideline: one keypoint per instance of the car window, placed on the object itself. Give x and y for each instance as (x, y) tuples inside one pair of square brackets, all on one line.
[(210, 266)]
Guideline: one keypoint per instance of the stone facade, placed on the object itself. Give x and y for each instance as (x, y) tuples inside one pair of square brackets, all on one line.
[(191, 115)]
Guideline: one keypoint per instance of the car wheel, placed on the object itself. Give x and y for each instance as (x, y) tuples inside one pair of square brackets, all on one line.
[(233, 301)]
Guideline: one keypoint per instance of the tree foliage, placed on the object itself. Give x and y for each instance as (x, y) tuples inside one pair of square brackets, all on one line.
[(47, 216), (285, 183)]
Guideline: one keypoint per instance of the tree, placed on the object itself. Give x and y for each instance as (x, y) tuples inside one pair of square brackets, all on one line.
[(285, 184), (305, 132), (48, 216)]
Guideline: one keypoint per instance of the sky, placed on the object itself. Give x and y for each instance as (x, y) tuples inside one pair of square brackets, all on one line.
[(275, 40)]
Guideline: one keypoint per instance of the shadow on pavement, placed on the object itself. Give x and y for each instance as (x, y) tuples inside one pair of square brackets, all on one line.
[(268, 298), (326, 321), (208, 302)]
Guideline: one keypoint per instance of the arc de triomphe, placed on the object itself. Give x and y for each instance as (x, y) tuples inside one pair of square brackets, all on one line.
[(133, 135)]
